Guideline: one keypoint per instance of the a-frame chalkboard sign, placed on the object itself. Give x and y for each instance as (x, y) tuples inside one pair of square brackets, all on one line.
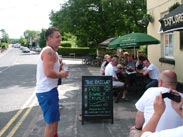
[(97, 97)]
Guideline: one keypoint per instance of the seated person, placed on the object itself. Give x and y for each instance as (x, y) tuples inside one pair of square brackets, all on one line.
[(125, 55), (129, 71), (130, 64), (120, 73), (152, 72), (107, 59), (111, 70), (159, 108), (167, 81), (139, 63)]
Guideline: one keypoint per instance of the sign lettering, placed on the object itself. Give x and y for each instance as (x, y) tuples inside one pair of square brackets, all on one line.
[(97, 100)]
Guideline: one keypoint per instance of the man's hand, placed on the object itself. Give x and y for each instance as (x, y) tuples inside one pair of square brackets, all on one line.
[(159, 105), (178, 107)]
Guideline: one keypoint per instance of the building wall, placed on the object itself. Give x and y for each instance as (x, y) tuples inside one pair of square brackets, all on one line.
[(157, 8)]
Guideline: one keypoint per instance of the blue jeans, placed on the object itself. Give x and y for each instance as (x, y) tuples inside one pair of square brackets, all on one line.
[(151, 83)]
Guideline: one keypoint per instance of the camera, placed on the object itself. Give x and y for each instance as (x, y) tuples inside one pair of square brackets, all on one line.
[(173, 96)]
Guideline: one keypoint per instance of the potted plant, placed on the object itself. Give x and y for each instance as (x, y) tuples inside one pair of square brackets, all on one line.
[(174, 6), (146, 19)]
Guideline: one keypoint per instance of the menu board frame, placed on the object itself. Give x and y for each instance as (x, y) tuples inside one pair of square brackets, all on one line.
[(97, 97)]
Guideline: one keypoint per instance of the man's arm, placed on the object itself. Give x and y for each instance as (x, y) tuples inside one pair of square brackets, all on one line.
[(49, 58), (140, 71), (139, 121), (144, 72), (139, 117), (159, 107)]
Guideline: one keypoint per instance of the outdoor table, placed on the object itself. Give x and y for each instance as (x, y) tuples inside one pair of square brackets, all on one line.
[(133, 80)]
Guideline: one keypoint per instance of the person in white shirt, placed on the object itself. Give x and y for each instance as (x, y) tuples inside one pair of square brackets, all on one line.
[(152, 72), (111, 70), (167, 82), (47, 75), (107, 59), (159, 108)]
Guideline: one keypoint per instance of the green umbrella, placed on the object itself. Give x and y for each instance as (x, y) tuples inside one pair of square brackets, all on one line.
[(133, 40)]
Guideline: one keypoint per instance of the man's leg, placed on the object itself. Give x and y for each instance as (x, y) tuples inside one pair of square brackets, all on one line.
[(153, 83), (56, 130), (124, 94), (51, 129)]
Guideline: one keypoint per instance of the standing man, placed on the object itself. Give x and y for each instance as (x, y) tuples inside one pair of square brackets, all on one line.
[(47, 76)]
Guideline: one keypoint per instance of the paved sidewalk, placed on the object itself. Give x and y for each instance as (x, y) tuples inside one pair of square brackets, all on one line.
[(70, 97)]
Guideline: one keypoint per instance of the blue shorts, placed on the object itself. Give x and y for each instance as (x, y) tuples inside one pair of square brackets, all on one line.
[(49, 103)]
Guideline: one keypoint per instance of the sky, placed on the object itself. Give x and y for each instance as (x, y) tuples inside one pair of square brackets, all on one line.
[(16, 16)]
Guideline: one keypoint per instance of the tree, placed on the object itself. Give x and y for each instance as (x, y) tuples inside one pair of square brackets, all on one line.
[(42, 42), (23, 41), (4, 37), (30, 35), (93, 21)]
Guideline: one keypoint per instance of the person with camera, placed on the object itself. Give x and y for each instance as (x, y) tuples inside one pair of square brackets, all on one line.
[(167, 81), (159, 108)]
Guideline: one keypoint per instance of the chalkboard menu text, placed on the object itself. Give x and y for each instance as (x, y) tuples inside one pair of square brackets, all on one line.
[(97, 100)]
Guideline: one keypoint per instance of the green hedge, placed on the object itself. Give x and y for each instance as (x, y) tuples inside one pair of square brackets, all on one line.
[(78, 51), (4, 45), (66, 44)]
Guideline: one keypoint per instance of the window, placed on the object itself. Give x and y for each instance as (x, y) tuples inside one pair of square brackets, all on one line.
[(168, 45)]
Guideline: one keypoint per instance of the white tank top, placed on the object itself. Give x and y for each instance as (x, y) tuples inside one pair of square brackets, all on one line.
[(43, 83)]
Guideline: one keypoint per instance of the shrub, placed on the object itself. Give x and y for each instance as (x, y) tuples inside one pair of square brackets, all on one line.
[(66, 44), (4, 45), (84, 51)]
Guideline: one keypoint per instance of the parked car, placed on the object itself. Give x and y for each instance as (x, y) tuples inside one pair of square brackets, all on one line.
[(25, 50), (16, 45), (38, 49)]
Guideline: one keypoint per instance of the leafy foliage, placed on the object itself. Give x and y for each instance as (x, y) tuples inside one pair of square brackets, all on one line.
[(42, 42), (3, 45), (66, 44), (174, 6), (30, 35), (23, 41), (93, 21), (4, 38)]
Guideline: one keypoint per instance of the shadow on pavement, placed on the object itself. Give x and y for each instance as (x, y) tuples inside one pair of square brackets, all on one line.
[(70, 97)]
